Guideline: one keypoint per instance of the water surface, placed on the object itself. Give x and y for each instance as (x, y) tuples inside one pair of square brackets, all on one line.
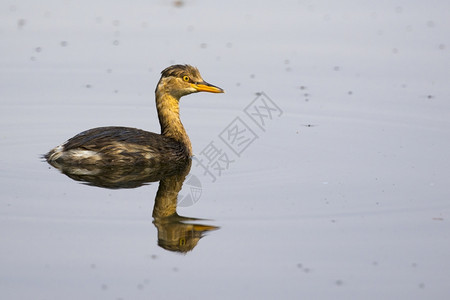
[(341, 193)]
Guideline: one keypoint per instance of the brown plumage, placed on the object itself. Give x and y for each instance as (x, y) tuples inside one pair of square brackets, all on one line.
[(124, 145)]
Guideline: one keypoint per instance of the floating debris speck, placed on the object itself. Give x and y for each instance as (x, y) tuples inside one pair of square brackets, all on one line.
[(178, 3), (21, 23)]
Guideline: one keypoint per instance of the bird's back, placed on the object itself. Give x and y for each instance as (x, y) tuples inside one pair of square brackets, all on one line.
[(115, 146)]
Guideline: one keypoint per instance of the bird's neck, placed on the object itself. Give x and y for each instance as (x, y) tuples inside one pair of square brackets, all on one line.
[(169, 119), (169, 187)]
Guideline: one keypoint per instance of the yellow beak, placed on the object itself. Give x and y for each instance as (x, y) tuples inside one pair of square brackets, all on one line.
[(198, 227), (206, 87)]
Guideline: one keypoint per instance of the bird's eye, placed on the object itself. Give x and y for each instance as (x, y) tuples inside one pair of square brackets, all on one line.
[(186, 78)]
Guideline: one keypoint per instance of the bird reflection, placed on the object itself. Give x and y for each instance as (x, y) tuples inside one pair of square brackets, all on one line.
[(175, 233)]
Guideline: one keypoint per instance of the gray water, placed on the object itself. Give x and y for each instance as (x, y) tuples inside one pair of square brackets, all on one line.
[(336, 187)]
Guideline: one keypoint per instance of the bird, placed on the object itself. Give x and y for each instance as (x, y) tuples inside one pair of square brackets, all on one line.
[(116, 146)]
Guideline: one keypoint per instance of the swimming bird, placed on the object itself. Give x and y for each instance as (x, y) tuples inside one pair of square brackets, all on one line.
[(112, 146)]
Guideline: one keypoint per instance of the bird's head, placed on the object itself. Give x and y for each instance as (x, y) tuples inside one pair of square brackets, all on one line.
[(181, 80)]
